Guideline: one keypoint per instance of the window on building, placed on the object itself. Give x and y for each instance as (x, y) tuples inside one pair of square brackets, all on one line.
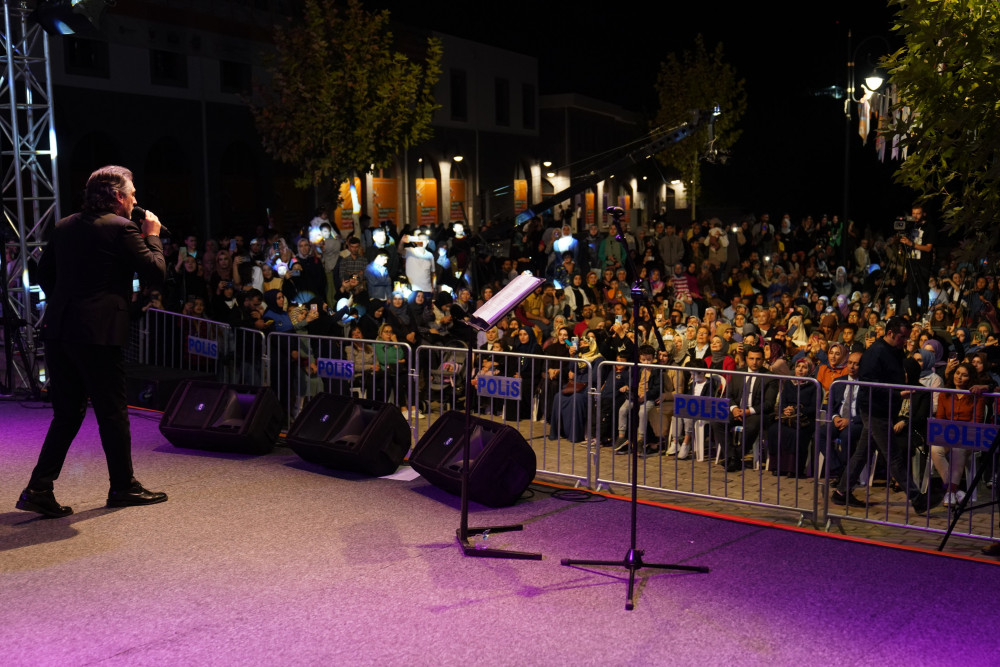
[(528, 110), (502, 102), (168, 69), (86, 57), (234, 77), (459, 95)]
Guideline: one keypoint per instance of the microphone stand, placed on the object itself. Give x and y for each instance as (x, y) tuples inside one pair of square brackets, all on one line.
[(633, 557)]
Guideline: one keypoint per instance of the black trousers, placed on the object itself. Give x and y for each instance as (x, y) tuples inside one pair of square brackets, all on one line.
[(76, 371), (918, 276), (878, 434)]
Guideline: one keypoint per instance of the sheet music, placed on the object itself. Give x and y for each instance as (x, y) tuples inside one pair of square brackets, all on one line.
[(503, 301)]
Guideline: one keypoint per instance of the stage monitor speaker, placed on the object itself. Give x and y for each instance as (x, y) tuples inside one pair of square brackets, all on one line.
[(346, 433), (501, 462), (221, 417)]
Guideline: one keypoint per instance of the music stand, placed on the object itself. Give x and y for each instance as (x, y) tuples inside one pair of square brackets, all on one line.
[(633, 558), (485, 318)]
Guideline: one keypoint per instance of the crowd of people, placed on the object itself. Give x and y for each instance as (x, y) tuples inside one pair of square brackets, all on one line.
[(792, 299)]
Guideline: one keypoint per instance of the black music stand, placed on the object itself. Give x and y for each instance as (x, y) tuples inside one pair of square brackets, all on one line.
[(485, 318), (633, 558)]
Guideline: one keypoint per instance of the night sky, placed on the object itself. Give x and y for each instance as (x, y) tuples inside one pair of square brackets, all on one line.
[(791, 155)]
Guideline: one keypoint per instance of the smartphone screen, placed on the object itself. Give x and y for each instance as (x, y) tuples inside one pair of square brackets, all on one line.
[(232, 245), (313, 307), (135, 283)]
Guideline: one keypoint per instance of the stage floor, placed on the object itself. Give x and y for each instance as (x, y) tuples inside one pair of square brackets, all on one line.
[(273, 560)]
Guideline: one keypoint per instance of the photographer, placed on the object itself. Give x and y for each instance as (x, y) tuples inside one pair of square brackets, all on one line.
[(919, 241)]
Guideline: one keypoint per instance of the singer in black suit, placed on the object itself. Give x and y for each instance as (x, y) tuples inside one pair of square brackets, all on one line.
[(86, 272)]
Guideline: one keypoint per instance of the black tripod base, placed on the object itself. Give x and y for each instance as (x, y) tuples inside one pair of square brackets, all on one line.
[(476, 552), (633, 562)]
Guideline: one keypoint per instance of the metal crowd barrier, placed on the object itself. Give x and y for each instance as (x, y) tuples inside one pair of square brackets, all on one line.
[(690, 436), (787, 467), (301, 366), (183, 342), (249, 357), (905, 466), (556, 425)]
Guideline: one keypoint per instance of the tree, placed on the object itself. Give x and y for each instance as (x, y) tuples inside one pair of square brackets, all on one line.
[(947, 75), (340, 100), (698, 80)]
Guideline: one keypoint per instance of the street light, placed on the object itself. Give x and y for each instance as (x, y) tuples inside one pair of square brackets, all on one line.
[(872, 83)]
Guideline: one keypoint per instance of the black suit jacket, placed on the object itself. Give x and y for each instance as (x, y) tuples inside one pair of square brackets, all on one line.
[(837, 391), (86, 272), (764, 397)]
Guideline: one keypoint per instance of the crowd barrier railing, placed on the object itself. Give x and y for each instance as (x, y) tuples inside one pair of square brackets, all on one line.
[(524, 391), (898, 439), (301, 366), (182, 342), (692, 443)]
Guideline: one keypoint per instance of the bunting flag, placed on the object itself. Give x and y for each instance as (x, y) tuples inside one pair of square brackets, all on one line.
[(894, 153), (906, 119), (864, 117), (880, 138)]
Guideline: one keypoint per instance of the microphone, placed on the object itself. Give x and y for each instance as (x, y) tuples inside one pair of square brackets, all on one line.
[(139, 215)]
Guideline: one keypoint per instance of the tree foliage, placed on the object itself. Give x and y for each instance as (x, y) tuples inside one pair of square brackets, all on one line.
[(947, 75), (339, 99), (698, 80)]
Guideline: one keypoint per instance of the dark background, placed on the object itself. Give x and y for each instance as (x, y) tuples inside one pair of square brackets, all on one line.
[(790, 157)]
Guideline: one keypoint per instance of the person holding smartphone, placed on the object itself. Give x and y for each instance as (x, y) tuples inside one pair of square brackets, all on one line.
[(86, 271)]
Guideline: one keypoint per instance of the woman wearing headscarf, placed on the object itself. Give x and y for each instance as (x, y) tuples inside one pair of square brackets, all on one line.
[(576, 296), (294, 373), (568, 417), (788, 438), (529, 370), (398, 315)]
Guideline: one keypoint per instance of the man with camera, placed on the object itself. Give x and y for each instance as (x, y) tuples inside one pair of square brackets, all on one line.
[(86, 272), (919, 239)]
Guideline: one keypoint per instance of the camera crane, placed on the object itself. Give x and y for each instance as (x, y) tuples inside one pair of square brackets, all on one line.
[(658, 145)]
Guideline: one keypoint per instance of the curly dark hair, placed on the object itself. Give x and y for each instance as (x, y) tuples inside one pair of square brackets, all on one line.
[(102, 187)]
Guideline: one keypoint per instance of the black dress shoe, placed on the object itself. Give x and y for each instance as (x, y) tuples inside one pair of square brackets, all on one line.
[(42, 502), (838, 498), (925, 502), (734, 465), (992, 549), (134, 495)]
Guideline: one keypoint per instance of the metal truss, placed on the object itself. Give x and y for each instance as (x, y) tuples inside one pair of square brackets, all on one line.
[(29, 184)]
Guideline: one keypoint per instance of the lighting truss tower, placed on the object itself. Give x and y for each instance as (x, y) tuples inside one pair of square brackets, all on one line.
[(28, 152)]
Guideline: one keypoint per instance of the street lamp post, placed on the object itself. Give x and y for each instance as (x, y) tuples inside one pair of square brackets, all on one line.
[(872, 83)]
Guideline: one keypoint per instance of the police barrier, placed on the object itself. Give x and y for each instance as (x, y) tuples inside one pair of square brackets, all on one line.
[(172, 340), (686, 425), (525, 391), (249, 356), (899, 448), (732, 436), (301, 366)]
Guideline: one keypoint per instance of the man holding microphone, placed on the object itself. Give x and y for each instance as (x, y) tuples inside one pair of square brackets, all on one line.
[(86, 272)]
